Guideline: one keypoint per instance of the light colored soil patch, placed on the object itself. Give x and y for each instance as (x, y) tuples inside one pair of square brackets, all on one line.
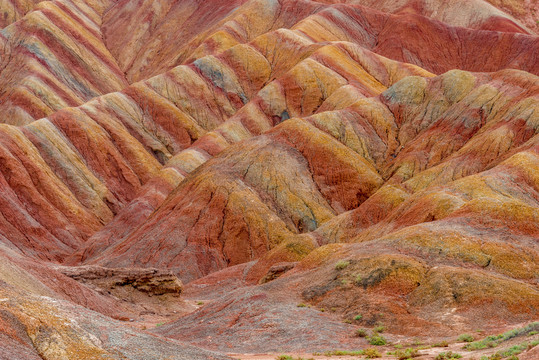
[(166, 314)]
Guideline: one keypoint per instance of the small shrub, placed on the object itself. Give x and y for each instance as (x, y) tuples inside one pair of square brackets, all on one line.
[(448, 355), (347, 321), (301, 305), (441, 344), (341, 265), (411, 353), (379, 329), (333, 309), (531, 333), (159, 324), (534, 326), (358, 279), (517, 349), (407, 354), (200, 303), (344, 353), (358, 317), (372, 353), (361, 333), (488, 342), (465, 338), (322, 310), (377, 339)]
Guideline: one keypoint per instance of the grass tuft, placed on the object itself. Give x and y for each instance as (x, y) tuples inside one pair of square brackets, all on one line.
[(448, 355), (372, 353), (465, 338), (361, 333), (377, 339), (344, 353), (341, 265), (379, 329), (441, 344), (406, 354)]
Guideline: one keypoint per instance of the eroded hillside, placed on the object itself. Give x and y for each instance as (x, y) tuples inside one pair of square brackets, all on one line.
[(208, 166)]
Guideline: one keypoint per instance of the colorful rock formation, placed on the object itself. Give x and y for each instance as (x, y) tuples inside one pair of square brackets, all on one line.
[(370, 157)]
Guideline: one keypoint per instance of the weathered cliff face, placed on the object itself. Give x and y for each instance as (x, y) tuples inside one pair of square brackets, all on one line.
[(245, 148)]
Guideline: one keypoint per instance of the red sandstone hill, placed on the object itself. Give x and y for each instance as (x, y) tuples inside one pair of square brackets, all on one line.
[(176, 177)]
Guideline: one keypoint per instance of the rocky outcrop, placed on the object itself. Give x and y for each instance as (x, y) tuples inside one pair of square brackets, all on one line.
[(277, 270), (149, 281)]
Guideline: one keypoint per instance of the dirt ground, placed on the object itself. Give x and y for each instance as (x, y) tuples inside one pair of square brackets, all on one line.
[(190, 304), (428, 353)]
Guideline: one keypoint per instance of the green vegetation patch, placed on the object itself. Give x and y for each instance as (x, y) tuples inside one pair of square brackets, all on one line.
[(379, 329), (405, 354), (372, 353), (448, 355), (377, 339), (288, 357), (362, 333), (344, 353), (495, 340), (465, 338), (342, 264), (441, 344), (517, 349)]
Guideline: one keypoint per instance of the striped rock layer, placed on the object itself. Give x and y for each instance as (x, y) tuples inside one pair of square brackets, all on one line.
[(204, 137)]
